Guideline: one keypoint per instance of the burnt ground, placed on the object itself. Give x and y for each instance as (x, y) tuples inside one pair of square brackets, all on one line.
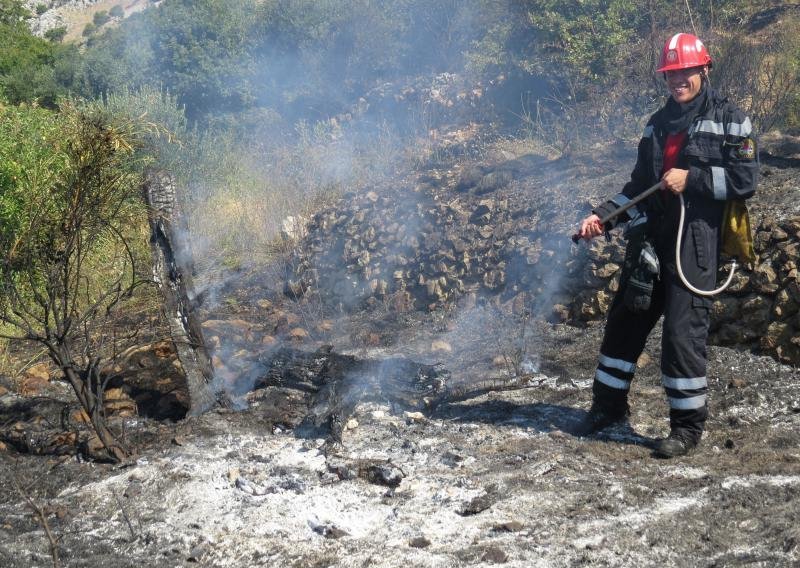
[(493, 479)]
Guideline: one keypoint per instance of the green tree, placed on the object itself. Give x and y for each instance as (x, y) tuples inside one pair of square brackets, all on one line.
[(199, 50), (100, 17), (34, 69), (56, 35), (26, 66), (12, 12)]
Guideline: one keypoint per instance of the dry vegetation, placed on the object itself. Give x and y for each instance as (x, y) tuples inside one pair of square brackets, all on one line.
[(76, 19)]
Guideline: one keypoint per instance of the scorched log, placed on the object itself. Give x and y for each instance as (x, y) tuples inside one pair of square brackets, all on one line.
[(172, 274)]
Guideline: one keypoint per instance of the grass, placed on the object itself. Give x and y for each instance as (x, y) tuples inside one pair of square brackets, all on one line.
[(76, 18), (242, 192)]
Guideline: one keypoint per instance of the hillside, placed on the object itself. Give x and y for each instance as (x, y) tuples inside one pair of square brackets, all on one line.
[(74, 15), (372, 226), (494, 478)]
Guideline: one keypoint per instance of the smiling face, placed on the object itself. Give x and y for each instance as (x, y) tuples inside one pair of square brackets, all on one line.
[(685, 84)]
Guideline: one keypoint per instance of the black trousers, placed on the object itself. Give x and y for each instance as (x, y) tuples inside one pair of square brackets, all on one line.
[(685, 331)]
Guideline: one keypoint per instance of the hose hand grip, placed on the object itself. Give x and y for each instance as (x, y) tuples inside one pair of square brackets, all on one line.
[(616, 212)]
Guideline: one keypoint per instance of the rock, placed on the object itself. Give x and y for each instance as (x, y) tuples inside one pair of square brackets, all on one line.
[(725, 308), (737, 383), (470, 177), (383, 474), (606, 271), (777, 333), (764, 279), (481, 215), (94, 446), (477, 504), (39, 371), (419, 542), (35, 379), (330, 531), (736, 334), (755, 309), (298, 334), (784, 305), (493, 181), (294, 228), (508, 526), (739, 283), (495, 555), (122, 407), (251, 488), (441, 346), (414, 417), (164, 349)]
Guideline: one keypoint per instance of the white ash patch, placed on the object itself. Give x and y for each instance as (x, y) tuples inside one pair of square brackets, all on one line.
[(689, 472), (753, 480)]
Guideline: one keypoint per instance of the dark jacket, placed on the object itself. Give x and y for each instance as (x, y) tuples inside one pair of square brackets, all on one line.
[(722, 159), (720, 155)]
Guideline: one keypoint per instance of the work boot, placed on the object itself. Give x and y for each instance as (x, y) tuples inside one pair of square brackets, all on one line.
[(599, 418), (677, 444)]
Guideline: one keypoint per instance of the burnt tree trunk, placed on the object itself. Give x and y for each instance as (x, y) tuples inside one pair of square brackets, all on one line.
[(172, 273)]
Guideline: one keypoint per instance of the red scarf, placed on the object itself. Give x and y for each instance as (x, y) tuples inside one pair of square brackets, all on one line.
[(672, 149)]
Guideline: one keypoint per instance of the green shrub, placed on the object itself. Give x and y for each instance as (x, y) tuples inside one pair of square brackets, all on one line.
[(116, 11), (100, 17), (12, 12), (56, 35), (89, 29), (72, 240), (41, 9), (32, 68)]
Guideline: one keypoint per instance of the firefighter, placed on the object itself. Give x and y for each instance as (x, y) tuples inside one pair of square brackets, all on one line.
[(701, 147)]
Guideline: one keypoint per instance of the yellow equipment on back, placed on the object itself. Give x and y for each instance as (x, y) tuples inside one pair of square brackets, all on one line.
[(737, 237)]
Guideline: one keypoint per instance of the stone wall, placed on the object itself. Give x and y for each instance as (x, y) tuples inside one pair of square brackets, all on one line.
[(459, 237), (759, 311)]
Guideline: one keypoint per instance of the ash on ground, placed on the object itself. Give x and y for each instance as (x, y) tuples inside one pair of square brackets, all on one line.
[(489, 475), (492, 479)]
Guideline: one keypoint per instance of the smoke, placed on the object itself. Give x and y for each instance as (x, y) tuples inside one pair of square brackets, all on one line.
[(316, 104)]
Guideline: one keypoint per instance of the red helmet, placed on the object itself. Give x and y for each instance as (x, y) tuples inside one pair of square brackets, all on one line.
[(683, 51)]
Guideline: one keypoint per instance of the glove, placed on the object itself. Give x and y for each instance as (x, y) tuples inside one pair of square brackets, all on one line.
[(639, 287)]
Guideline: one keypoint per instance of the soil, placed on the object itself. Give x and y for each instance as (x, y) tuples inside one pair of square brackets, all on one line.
[(493, 479)]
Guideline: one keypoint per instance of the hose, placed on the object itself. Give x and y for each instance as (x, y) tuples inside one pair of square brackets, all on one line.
[(678, 261)]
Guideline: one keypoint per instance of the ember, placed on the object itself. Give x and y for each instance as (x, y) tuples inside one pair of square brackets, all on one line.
[(336, 383)]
